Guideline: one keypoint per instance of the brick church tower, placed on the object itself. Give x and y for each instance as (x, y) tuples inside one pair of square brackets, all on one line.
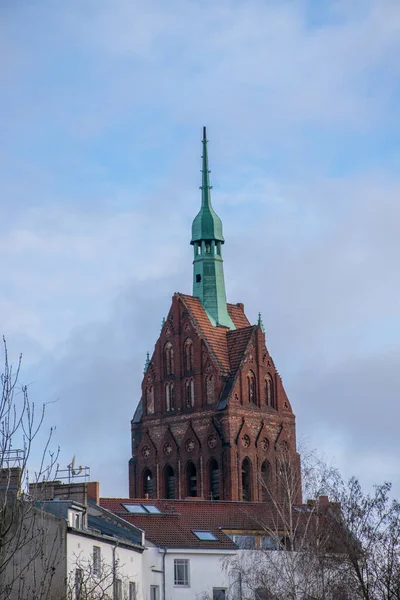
[(214, 420)]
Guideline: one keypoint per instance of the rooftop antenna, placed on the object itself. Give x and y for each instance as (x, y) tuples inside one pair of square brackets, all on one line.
[(73, 472)]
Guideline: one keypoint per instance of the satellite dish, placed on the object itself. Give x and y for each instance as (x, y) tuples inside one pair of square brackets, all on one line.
[(73, 470)]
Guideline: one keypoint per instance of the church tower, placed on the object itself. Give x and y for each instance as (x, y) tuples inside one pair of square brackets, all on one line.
[(214, 420)]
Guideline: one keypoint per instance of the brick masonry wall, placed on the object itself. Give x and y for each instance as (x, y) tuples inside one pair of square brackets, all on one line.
[(198, 434)]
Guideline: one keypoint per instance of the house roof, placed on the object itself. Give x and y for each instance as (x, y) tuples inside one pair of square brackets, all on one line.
[(227, 346), (174, 527)]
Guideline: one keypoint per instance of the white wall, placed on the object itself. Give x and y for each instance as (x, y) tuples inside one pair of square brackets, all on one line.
[(205, 572), (129, 561)]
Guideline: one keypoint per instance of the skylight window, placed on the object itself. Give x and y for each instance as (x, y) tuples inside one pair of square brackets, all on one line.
[(205, 536), (153, 510), (142, 509), (135, 508)]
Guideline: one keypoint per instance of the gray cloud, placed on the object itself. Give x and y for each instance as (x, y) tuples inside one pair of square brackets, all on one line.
[(99, 177)]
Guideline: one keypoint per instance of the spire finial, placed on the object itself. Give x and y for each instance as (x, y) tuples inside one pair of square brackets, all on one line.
[(146, 364), (205, 179), (260, 323)]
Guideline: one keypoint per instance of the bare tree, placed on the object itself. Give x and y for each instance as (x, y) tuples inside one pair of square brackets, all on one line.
[(299, 556), (28, 557), (370, 539), (103, 581)]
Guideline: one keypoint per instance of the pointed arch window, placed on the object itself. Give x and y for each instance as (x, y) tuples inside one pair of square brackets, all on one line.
[(149, 398), (191, 480), (147, 483), (169, 482), (188, 355), (288, 491), (246, 480), (269, 391), (168, 359), (189, 393), (251, 388), (210, 389), (213, 479), (265, 481), (169, 397)]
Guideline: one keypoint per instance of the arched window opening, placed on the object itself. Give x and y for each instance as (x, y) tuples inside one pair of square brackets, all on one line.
[(147, 483), (188, 355), (251, 388), (149, 395), (168, 359), (213, 476), (189, 393), (269, 391), (169, 397), (246, 480), (191, 480), (265, 481), (210, 389), (288, 491), (169, 482)]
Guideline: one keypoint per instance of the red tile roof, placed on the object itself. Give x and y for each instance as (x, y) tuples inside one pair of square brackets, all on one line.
[(236, 313), (237, 343), (174, 527), (227, 346)]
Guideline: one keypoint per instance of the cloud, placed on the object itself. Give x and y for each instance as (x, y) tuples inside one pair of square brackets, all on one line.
[(100, 169)]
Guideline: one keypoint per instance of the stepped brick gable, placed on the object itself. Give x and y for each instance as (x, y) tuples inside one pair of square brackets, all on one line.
[(214, 420)]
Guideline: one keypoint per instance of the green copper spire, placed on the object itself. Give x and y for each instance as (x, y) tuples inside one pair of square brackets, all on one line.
[(207, 239), (207, 225), (260, 323)]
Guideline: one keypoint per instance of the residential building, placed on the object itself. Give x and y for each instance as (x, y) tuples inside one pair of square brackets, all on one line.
[(63, 546)]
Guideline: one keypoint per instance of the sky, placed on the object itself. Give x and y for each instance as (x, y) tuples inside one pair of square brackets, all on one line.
[(102, 106)]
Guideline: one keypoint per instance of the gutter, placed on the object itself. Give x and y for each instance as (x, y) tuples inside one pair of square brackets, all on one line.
[(163, 572)]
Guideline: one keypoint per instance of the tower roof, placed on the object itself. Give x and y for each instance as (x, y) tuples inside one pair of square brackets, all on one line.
[(207, 225)]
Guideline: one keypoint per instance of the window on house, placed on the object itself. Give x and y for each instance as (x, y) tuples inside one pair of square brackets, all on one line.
[(147, 483), (78, 521), (168, 359), (244, 542), (246, 480), (213, 474), (269, 391), (189, 393), (169, 397), (219, 594), (150, 400), (191, 478), (270, 542), (265, 480), (132, 590), (118, 589), (96, 560), (169, 482), (205, 536), (181, 572), (78, 583), (188, 352), (154, 592), (142, 509), (251, 388)]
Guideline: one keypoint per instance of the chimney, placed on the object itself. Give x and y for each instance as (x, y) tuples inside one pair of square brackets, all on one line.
[(93, 491), (10, 483), (323, 501), (49, 490)]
